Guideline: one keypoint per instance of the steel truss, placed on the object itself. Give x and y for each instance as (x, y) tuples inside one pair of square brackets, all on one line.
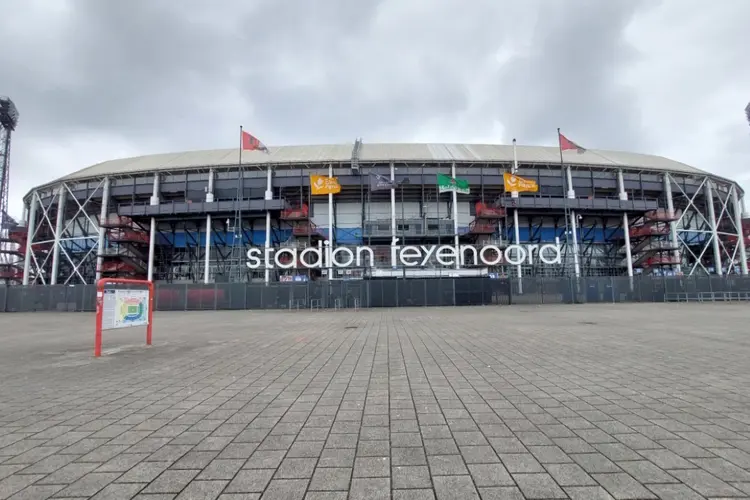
[(64, 251), (707, 222)]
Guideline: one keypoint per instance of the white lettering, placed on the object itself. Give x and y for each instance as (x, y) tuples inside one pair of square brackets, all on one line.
[(462, 252), (289, 265), (428, 251), (409, 252), (360, 260), (530, 249), (557, 259), (253, 262), (515, 255), (325, 255), (347, 262), (494, 249), (318, 253), (446, 252)]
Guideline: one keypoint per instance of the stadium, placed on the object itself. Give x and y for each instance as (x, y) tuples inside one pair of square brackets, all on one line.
[(196, 216)]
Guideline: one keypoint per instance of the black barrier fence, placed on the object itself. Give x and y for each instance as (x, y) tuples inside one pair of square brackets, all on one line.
[(356, 294)]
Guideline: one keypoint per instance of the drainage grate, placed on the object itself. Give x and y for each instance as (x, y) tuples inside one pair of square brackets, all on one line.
[(350, 328)]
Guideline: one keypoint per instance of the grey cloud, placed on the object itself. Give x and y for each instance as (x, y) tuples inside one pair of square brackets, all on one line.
[(569, 77), (159, 75)]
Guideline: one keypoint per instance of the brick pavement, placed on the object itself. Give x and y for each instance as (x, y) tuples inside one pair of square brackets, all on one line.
[(580, 402)]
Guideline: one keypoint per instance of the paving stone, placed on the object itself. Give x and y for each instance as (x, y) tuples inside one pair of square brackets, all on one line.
[(331, 479), (370, 489), (570, 475), (89, 485), (404, 477), (646, 472), (538, 486), (37, 492), (674, 492), (454, 488), (447, 465), (336, 458), (424, 494), (705, 483), (588, 493), (621, 485), (372, 467), (285, 489), (490, 475), (404, 401), (171, 481), (501, 493)]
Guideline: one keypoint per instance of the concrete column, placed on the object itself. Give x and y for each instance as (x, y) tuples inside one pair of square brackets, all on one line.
[(207, 261), (740, 233), (61, 197), (210, 188), (673, 224), (103, 213), (709, 193), (268, 196), (30, 228)]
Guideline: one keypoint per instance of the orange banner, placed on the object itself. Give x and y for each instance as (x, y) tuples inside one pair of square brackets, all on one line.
[(519, 184), (321, 184)]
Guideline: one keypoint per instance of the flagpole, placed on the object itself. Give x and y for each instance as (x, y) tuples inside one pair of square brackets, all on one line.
[(570, 225)]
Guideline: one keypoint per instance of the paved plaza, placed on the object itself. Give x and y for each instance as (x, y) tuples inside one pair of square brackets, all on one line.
[(583, 402)]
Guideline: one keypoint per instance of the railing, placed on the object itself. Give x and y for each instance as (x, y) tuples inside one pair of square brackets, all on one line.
[(398, 292)]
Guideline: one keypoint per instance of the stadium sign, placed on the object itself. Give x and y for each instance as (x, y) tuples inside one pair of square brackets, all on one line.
[(323, 256)]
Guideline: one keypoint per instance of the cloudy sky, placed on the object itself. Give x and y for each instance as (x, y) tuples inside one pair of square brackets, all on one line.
[(100, 79)]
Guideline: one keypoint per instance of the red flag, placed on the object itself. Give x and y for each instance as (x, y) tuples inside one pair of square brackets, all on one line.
[(251, 143), (566, 144)]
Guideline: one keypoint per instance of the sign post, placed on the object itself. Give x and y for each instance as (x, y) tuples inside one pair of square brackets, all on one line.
[(116, 308)]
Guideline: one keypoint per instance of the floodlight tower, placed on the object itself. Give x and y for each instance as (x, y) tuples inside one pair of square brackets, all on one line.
[(8, 121)]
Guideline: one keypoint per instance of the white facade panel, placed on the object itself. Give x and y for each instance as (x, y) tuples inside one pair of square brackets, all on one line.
[(434, 209), (348, 214)]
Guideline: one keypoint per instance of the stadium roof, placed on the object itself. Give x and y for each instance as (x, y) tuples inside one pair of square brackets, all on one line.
[(342, 153)]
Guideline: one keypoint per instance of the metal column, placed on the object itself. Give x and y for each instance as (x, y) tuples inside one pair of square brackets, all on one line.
[(740, 233), (573, 223), (672, 224), (207, 257), (268, 196), (393, 204), (516, 229), (152, 229), (625, 226), (714, 233), (60, 220), (455, 218), (103, 213), (30, 228), (207, 260)]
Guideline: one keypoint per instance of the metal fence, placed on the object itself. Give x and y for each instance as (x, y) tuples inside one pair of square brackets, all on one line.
[(356, 294)]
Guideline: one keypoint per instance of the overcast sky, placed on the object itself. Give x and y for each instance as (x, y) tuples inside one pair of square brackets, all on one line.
[(99, 79)]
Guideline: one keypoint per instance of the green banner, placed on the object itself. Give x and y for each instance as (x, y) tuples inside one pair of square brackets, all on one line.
[(446, 183)]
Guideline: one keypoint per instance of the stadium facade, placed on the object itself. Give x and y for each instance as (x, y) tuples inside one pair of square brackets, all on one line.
[(197, 216)]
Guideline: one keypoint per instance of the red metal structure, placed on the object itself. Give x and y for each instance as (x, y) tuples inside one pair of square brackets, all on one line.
[(100, 308)]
